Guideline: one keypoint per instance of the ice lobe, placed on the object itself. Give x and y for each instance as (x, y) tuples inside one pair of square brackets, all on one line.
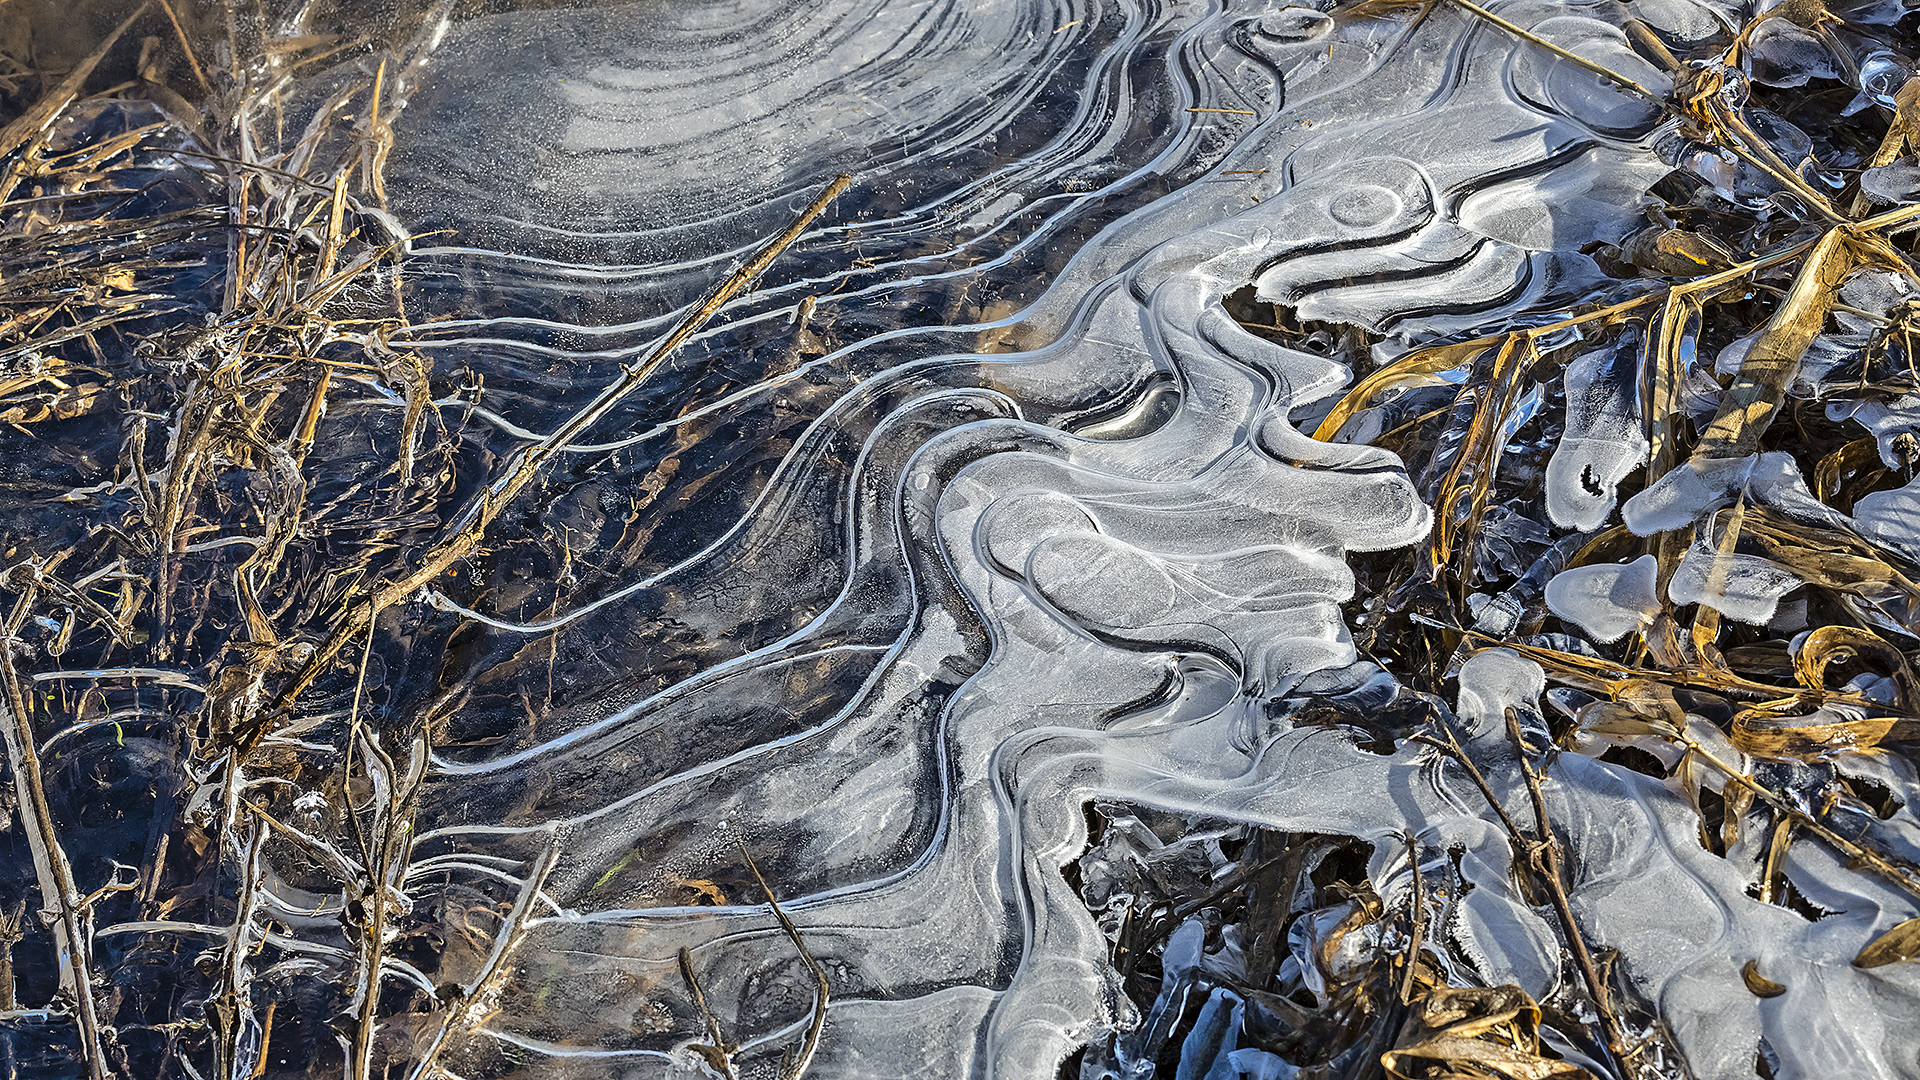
[(1787, 55), (1896, 182), (1701, 485), (1894, 424), (1686, 492), (651, 117), (1892, 518), (1604, 441), (1608, 601), (1743, 587)]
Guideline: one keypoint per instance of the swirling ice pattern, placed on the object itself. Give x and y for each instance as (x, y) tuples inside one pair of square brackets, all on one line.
[(947, 598)]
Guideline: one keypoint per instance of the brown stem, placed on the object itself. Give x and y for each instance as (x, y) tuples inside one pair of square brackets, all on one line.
[(466, 995), (1546, 860), (1417, 915), (10, 935), (821, 991), (1878, 863), (716, 1052), (235, 999), (386, 869), (71, 933)]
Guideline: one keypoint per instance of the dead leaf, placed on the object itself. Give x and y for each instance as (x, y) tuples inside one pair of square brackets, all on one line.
[(1748, 405), (1475, 1033), (1764, 732), (1830, 645), (1759, 984), (1898, 944)]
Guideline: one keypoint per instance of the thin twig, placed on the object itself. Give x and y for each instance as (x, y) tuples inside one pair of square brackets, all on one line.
[(821, 990), (1417, 916), (1545, 856), (1571, 57), (1742, 140), (715, 1051), (467, 996), (1880, 864), (1454, 750), (187, 45), (72, 939)]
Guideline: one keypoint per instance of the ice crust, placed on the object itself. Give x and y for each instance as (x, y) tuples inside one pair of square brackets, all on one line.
[(1607, 600), (975, 591), (1743, 587), (1604, 441)]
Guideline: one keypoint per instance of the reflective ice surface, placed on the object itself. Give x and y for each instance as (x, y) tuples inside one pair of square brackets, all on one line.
[(908, 600), (987, 512)]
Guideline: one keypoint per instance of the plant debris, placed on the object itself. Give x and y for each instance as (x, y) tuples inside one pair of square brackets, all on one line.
[(1691, 506)]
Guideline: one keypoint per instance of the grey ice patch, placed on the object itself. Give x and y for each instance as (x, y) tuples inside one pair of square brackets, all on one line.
[(1607, 600)]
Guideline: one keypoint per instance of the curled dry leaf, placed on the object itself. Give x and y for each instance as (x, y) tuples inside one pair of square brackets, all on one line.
[(1475, 1033), (1817, 735), (1758, 983), (1898, 944), (1829, 645)]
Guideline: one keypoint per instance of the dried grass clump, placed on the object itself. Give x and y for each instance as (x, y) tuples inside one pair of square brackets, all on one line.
[(231, 481)]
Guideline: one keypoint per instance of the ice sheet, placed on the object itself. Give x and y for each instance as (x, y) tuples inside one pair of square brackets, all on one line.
[(1052, 536)]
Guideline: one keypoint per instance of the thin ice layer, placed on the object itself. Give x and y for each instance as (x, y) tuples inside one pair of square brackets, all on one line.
[(1604, 440), (1607, 600), (1743, 587), (898, 654)]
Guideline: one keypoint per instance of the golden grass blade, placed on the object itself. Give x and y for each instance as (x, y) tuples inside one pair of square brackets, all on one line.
[(1829, 645), (1421, 367), (1749, 404), (1573, 58), (1902, 942), (1761, 733), (37, 119), (193, 60)]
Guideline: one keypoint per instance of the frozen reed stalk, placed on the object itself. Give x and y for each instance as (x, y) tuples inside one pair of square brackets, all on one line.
[(466, 998), (821, 991), (65, 908)]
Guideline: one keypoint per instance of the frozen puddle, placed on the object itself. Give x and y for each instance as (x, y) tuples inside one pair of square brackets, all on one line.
[(1105, 569), (974, 592)]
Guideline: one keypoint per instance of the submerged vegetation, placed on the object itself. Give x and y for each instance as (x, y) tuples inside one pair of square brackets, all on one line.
[(189, 290)]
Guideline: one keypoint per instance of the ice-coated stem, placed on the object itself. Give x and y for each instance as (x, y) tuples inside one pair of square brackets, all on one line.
[(821, 991), (1545, 857), (51, 869)]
